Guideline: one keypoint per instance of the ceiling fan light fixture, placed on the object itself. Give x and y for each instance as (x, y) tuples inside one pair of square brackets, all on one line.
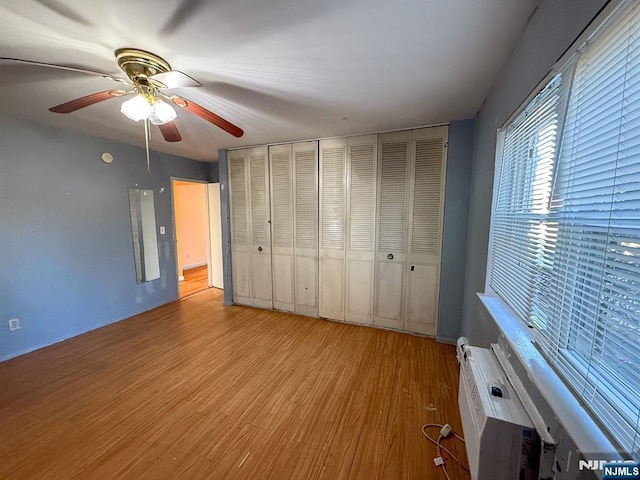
[(162, 113), (137, 108), (148, 74)]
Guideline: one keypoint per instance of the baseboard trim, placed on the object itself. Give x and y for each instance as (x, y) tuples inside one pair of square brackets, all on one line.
[(194, 265)]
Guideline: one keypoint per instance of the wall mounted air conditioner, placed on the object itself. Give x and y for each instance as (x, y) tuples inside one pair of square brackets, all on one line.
[(501, 441)]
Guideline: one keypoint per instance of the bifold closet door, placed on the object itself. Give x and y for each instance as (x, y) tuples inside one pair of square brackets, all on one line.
[(260, 214), (282, 253), (333, 160), (426, 192), (305, 178), (250, 228), (394, 151), (361, 225), (240, 227)]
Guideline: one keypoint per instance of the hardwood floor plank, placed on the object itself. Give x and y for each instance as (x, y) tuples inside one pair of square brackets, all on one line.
[(195, 280), (194, 389)]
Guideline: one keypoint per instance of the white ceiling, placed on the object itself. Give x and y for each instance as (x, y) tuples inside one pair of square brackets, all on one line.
[(282, 70)]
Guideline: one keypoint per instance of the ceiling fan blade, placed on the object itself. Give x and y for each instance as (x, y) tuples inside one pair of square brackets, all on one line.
[(65, 67), (82, 102), (170, 132), (207, 115), (174, 79)]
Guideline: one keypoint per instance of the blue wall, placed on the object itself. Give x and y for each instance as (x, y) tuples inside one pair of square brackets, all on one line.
[(214, 175), (454, 236), (66, 251), (225, 220)]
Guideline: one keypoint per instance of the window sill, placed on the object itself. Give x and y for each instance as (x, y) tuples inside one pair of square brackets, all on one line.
[(575, 420)]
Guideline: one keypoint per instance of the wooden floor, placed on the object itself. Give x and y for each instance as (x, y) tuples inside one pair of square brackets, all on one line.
[(195, 280), (197, 390)]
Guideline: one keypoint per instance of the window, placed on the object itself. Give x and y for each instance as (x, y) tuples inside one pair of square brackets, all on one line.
[(565, 239)]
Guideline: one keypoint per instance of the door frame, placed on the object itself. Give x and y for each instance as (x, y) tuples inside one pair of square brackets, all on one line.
[(175, 229)]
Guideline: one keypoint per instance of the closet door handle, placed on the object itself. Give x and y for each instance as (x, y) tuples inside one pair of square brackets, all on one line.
[(259, 249), (390, 256)]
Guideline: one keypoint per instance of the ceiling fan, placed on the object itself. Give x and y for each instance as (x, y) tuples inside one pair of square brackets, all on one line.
[(148, 76)]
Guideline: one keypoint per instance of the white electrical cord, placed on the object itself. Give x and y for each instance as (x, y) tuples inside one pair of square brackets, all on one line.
[(445, 431)]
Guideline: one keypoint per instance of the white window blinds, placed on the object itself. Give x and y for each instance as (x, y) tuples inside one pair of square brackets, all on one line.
[(565, 245), (523, 186)]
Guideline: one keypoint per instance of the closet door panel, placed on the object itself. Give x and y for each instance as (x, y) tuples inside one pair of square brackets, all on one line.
[(282, 266), (282, 255), (333, 159), (361, 223), (261, 280), (422, 306), (305, 176), (260, 228), (332, 287), (239, 199), (427, 194), (389, 302), (241, 269), (425, 228), (394, 155), (360, 291), (306, 285)]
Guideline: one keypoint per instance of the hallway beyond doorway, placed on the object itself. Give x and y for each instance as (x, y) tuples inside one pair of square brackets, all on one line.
[(195, 280)]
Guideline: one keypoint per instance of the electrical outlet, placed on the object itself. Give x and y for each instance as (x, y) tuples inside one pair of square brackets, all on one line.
[(14, 324)]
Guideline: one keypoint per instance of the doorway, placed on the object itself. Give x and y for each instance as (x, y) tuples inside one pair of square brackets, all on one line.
[(191, 226)]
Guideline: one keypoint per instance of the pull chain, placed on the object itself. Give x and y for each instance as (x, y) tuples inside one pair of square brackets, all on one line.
[(147, 133)]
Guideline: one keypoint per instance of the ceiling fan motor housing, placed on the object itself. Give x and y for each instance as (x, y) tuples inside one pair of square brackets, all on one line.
[(139, 65)]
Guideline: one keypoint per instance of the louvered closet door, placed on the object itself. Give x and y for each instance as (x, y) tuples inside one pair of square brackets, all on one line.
[(261, 292), (426, 192), (280, 157), (394, 151), (361, 223), (305, 177), (240, 227), (333, 156)]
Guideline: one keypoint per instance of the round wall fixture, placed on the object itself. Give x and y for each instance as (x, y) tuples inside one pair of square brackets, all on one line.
[(107, 157)]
